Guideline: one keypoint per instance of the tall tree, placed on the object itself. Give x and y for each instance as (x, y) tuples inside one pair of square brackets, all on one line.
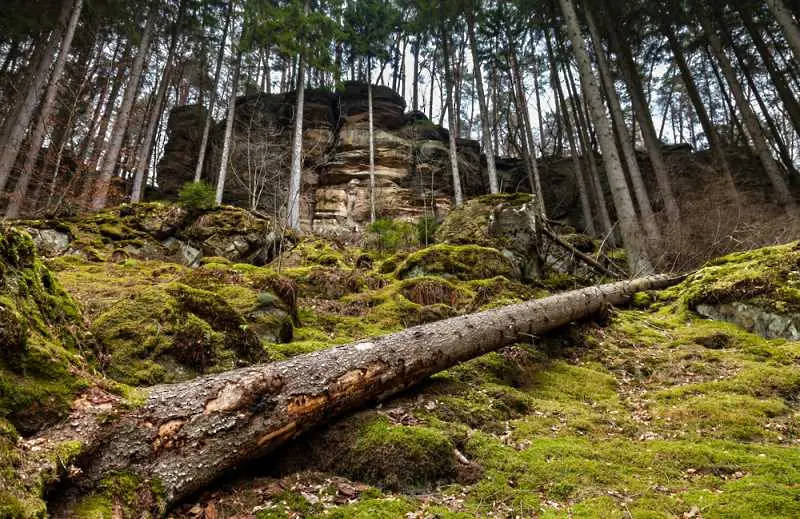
[(486, 130), (45, 109), (638, 259), (642, 113), (18, 121), (626, 143), (788, 24), (754, 128), (201, 157), (123, 116), (369, 25)]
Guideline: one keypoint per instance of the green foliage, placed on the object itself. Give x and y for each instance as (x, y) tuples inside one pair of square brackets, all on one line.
[(426, 228), (391, 235), (197, 196)]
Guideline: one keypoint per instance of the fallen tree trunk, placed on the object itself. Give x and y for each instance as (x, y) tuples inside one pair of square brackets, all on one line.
[(185, 435)]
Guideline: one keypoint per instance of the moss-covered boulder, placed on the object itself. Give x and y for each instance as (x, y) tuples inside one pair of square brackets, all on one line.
[(235, 234), (504, 222), (175, 332), (463, 262)]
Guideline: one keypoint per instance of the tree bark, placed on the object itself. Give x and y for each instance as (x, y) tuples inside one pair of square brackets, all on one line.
[(583, 191), (788, 24), (201, 157), (751, 121), (19, 119), (121, 125), (486, 131), (371, 150), (626, 143), (638, 259), (185, 435), (527, 132), (694, 95), (146, 146), (45, 109), (458, 197), (295, 177), (227, 140), (642, 112), (777, 134)]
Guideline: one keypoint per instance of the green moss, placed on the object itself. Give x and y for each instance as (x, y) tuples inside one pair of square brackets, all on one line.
[(768, 276), (463, 262), (121, 492), (146, 335), (419, 455), (469, 224)]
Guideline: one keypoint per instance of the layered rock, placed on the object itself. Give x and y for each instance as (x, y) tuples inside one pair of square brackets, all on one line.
[(412, 171)]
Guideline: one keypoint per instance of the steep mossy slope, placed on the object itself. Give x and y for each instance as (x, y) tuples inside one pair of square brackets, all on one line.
[(649, 412), (44, 364), (652, 411)]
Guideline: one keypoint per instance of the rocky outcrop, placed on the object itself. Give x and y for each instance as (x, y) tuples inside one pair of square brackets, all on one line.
[(413, 175)]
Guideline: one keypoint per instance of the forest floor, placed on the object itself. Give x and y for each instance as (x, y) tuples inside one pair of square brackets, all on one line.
[(649, 411)]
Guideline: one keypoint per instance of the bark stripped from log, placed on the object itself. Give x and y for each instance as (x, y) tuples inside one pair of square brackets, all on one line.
[(187, 434)]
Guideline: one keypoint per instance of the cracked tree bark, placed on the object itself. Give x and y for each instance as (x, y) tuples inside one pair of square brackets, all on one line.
[(185, 435)]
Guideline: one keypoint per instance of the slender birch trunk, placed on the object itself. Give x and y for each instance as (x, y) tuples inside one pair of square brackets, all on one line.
[(293, 213), (486, 132), (201, 157), (448, 79), (227, 141)]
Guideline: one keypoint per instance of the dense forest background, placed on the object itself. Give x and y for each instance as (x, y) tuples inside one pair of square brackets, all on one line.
[(87, 89)]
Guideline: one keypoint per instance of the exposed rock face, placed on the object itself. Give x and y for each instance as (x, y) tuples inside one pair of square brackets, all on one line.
[(185, 131), (411, 156), (755, 319)]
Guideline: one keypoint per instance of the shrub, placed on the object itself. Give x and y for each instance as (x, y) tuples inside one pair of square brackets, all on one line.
[(197, 196), (392, 235), (426, 226)]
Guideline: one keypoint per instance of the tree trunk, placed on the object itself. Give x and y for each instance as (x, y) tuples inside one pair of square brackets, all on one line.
[(582, 129), (121, 125), (185, 435), (19, 119), (583, 192), (751, 121), (201, 157), (626, 144), (486, 132), (539, 117), (371, 151), (783, 151), (694, 95), (227, 140), (527, 132), (155, 114), (37, 136), (458, 198), (415, 79), (787, 23), (640, 108), (293, 211), (638, 260), (778, 79)]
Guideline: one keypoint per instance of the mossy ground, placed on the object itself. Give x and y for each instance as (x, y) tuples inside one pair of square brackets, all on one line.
[(654, 412)]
